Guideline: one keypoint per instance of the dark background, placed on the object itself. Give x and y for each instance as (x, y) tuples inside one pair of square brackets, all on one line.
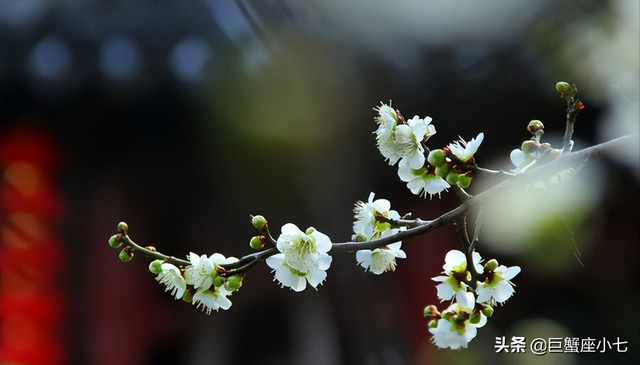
[(182, 118)]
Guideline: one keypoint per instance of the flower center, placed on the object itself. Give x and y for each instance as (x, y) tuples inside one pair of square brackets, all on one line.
[(298, 255)]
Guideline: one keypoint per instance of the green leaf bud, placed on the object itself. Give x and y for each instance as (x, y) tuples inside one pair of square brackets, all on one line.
[(257, 242), (258, 221), (491, 265), (463, 181), (115, 241), (156, 266), (436, 157), (126, 254)]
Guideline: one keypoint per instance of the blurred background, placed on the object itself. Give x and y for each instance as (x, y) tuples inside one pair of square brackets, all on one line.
[(184, 117)]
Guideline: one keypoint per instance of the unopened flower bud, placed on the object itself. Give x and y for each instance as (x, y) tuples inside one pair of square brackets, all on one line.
[(475, 318), (234, 282), (115, 241), (433, 323), (446, 315), (463, 181), (431, 311), (436, 157), (565, 89), (535, 127), (217, 280), (123, 227), (529, 147), (360, 237), (491, 265), (442, 170), (452, 177), (187, 296), (126, 254), (257, 242), (156, 266), (487, 311), (258, 221)]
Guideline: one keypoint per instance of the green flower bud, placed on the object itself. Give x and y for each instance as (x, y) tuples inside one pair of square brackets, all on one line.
[(430, 311), (530, 147), (257, 242), (115, 241), (491, 265), (535, 127), (258, 221), (446, 315), (361, 237), (433, 323), (436, 157), (475, 318), (565, 89), (126, 254), (218, 281), (442, 170), (452, 178), (156, 266), (187, 296), (123, 227), (463, 181), (234, 282), (487, 310)]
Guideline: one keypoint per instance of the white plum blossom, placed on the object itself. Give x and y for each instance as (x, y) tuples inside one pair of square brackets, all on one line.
[(199, 274), (366, 228), (497, 285), (398, 139), (465, 150), (172, 278), (303, 257), (211, 300), (455, 329), (380, 259), (455, 269), (387, 120), (366, 224), (409, 138), (421, 182)]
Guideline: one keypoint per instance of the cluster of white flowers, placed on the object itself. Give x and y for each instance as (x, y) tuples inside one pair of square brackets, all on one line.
[(458, 324), (302, 258), (372, 222), (200, 283), (400, 140)]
